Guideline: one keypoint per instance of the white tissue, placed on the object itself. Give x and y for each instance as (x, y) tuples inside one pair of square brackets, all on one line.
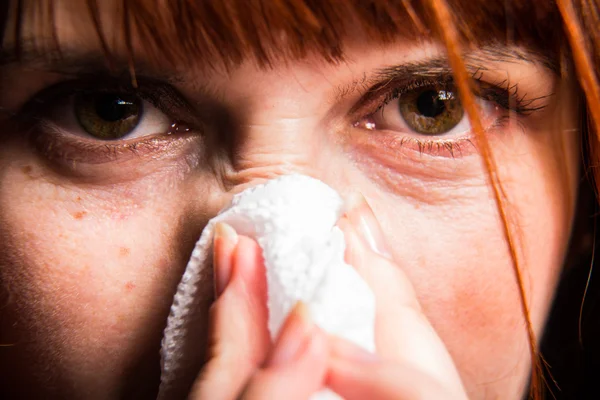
[(293, 220)]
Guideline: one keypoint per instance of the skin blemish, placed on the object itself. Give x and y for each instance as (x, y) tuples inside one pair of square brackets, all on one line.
[(129, 286), (29, 172), (79, 214), (124, 251)]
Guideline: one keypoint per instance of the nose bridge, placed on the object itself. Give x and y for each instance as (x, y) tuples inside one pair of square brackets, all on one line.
[(279, 130), (270, 146)]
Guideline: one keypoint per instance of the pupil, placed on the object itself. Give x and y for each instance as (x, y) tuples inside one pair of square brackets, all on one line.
[(429, 104), (113, 108)]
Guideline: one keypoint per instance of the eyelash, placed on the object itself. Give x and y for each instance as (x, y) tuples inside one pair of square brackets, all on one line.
[(34, 120), (167, 100), (508, 97), (160, 95)]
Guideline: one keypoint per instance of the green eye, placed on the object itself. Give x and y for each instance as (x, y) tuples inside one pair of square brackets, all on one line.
[(431, 111), (107, 116)]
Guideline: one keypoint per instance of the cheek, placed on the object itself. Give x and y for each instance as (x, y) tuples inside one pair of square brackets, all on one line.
[(457, 260), (465, 282), (456, 255), (90, 276)]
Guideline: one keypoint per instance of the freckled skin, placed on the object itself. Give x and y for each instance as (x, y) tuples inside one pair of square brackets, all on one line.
[(79, 214), (72, 245)]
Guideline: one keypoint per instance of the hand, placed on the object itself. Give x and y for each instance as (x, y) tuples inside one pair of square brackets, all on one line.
[(414, 363), (242, 363)]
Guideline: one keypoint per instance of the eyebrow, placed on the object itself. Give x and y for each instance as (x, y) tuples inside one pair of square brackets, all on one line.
[(437, 66), (77, 62), (474, 61), (504, 53)]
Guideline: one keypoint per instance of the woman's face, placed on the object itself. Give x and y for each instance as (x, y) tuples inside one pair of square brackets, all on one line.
[(101, 199)]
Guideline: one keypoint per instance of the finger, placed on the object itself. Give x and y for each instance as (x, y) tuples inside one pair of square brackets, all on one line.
[(297, 364), (403, 333), (356, 374), (238, 336)]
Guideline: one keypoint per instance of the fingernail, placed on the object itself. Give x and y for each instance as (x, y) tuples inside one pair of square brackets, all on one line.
[(364, 221), (293, 338), (224, 242), (349, 351)]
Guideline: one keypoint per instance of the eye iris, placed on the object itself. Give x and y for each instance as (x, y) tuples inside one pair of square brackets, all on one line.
[(429, 104), (108, 116), (431, 111)]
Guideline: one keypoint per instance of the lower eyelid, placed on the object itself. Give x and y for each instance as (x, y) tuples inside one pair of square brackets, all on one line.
[(397, 145), (69, 150), (405, 162), (452, 148)]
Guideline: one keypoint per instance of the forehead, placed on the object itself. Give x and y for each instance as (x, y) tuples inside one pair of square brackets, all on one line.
[(229, 32)]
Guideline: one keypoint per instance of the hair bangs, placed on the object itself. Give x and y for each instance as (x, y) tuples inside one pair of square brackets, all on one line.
[(228, 32)]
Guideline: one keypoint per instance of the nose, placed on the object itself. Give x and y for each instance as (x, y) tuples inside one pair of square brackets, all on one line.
[(264, 152)]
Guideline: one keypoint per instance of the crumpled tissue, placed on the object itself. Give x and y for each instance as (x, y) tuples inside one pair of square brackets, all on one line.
[(293, 219)]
